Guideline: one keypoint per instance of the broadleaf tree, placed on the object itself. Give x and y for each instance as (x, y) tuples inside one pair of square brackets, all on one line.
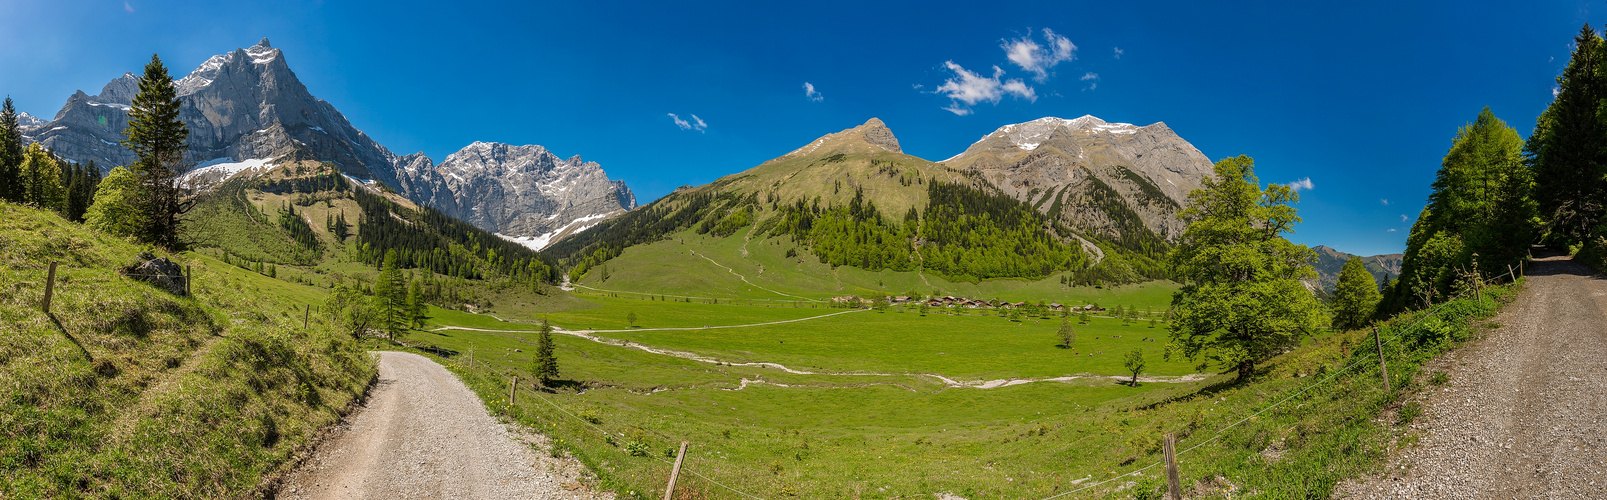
[(1355, 296), (1243, 297)]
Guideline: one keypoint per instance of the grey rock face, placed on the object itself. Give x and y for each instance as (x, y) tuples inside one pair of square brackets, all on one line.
[(524, 193), (160, 272), (1110, 179), (243, 104)]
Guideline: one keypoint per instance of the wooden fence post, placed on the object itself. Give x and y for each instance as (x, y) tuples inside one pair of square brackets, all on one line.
[(305, 315), (1174, 487), (1512, 273), (1382, 369), (676, 471), (50, 287), (187, 276), (513, 390)]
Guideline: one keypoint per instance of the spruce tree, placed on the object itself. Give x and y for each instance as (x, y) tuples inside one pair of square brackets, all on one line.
[(415, 303), (1566, 146), (10, 153), (389, 302), (157, 137), (545, 363)]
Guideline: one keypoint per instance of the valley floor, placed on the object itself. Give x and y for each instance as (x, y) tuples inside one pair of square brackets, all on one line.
[(1524, 413), (422, 434)]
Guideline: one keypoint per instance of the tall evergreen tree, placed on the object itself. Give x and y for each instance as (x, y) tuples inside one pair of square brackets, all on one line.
[(415, 303), (1355, 297), (10, 153), (1566, 148), (389, 301), (156, 135), (1243, 297), (1481, 204), (546, 362)]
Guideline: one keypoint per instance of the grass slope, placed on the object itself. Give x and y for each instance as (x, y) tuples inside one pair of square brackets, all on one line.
[(127, 391)]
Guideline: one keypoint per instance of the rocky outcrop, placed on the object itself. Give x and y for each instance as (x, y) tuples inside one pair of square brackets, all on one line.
[(1115, 180), (247, 105), (243, 104), (524, 193)]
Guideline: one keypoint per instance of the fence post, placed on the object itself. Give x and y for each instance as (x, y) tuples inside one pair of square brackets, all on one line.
[(305, 315), (513, 390), (676, 471), (187, 276), (1513, 274), (1382, 369), (50, 287), (1174, 488)]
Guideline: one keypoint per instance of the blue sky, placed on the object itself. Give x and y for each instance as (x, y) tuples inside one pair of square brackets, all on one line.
[(1362, 100)]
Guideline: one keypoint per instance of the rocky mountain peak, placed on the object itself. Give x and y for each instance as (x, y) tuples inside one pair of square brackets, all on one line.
[(119, 91), (871, 136)]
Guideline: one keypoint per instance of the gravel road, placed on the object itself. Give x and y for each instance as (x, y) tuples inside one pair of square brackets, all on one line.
[(1524, 414), (423, 434)]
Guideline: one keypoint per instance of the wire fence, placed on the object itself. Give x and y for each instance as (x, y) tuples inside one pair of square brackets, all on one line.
[(1218, 434)]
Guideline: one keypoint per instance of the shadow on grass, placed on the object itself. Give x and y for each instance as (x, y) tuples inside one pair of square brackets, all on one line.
[(63, 330)]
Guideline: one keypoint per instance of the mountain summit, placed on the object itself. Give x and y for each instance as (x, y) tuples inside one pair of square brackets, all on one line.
[(867, 138), (246, 106), (1115, 180)]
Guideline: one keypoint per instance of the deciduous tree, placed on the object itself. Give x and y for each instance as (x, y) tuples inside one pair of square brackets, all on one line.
[(1243, 298), (1355, 296)]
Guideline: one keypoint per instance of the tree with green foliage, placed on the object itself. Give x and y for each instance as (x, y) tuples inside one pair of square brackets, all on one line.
[(630, 318), (1480, 204), (81, 181), (416, 307), (1066, 334), (1355, 296), (348, 308), (116, 209), (1134, 363), (10, 153), (156, 135), (389, 301), (41, 179), (1243, 297), (1565, 149), (545, 364), (1085, 317)]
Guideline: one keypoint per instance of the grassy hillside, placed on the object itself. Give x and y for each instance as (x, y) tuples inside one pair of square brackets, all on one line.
[(853, 201), (128, 391), (870, 418)]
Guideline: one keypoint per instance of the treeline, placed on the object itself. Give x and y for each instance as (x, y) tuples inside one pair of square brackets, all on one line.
[(1567, 156), (429, 240), (34, 175), (972, 234), (1495, 193)]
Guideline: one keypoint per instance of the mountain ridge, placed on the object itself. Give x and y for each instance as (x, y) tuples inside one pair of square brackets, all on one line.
[(247, 105)]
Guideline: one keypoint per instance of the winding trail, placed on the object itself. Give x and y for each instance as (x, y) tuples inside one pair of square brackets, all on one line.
[(692, 356), (1524, 413), (745, 278), (423, 434)]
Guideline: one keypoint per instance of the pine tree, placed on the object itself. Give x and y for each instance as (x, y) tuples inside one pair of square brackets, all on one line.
[(10, 153), (545, 363), (1355, 296), (389, 302), (1243, 297), (157, 137), (1565, 148), (416, 307)]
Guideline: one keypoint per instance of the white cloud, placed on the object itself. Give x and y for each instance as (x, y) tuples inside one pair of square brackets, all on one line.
[(969, 88), (1034, 58), (1302, 185), (696, 123), (1555, 90), (1089, 76), (811, 93), (1404, 218), (1118, 51), (1390, 230), (1384, 201), (128, 8)]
